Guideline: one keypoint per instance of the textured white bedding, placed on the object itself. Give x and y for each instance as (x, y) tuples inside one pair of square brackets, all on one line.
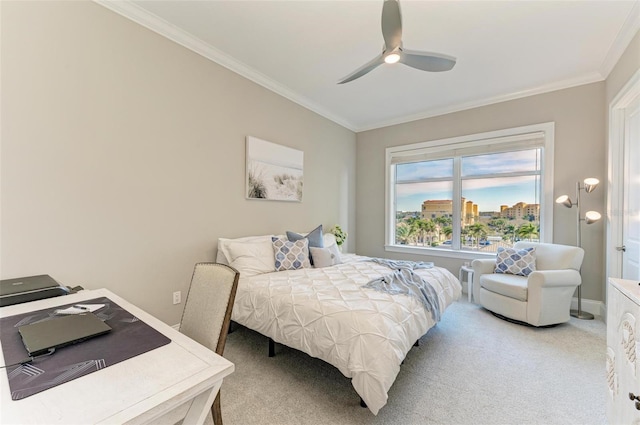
[(326, 313)]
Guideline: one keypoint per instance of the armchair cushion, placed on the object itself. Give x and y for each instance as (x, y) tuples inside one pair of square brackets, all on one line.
[(516, 261), (509, 285)]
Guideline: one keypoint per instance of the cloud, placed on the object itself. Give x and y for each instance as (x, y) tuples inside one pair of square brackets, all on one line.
[(424, 170), (428, 188), (499, 163)]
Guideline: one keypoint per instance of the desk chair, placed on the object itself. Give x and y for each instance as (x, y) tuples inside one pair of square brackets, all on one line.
[(207, 311)]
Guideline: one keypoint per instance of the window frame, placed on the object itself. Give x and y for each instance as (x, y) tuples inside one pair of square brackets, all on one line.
[(436, 148)]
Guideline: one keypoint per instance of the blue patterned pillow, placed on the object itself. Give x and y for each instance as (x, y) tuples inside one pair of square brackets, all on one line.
[(516, 261), (291, 255)]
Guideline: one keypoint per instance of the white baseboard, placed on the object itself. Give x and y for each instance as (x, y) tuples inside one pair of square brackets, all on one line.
[(176, 327), (597, 308)]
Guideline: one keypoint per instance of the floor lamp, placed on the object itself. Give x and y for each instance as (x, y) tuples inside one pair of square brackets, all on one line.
[(590, 217)]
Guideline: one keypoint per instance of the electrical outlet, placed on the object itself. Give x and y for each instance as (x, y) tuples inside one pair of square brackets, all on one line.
[(177, 297)]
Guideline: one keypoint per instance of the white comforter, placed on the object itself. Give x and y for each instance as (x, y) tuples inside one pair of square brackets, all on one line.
[(326, 313)]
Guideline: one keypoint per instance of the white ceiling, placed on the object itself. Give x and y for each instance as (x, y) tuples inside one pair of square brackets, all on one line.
[(300, 49)]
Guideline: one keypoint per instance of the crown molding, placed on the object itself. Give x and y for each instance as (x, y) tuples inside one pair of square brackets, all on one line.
[(559, 85), (625, 35), (148, 20)]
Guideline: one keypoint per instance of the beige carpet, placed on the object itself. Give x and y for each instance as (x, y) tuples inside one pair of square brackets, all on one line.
[(472, 368)]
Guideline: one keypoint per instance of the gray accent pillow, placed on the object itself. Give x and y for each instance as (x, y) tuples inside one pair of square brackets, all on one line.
[(325, 257), (314, 237)]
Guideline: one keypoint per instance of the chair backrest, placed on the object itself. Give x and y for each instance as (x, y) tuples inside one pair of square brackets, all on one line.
[(207, 309), (550, 256)]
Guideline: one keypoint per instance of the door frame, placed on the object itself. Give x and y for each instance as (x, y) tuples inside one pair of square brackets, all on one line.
[(615, 174)]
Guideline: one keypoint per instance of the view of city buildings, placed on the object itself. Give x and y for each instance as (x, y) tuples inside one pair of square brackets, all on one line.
[(480, 230)]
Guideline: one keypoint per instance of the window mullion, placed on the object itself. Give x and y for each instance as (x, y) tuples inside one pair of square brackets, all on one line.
[(498, 175), (457, 204)]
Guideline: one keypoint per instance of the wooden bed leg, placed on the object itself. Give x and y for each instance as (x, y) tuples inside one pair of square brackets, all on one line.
[(362, 403), (272, 348)]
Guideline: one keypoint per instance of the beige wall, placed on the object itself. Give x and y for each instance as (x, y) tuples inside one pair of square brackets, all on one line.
[(123, 155), (580, 149), (626, 66)]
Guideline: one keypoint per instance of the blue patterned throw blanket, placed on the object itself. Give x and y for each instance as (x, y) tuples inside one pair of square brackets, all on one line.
[(405, 281)]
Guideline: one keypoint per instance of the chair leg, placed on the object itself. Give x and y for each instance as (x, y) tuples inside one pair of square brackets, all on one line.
[(215, 410), (272, 348)]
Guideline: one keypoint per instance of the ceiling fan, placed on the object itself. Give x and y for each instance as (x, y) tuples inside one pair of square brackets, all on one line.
[(393, 52)]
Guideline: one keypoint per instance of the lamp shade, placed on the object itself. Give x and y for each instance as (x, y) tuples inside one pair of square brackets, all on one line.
[(590, 184), (591, 217), (564, 200)]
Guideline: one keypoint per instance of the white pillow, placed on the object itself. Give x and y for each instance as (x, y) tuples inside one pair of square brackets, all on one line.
[(329, 239), (221, 255), (250, 256), (325, 257)]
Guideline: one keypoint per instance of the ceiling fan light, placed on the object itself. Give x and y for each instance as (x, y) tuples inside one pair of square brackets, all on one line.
[(590, 184), (392, 58)]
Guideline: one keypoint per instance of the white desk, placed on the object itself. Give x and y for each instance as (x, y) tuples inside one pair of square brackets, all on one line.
[(177, 380)]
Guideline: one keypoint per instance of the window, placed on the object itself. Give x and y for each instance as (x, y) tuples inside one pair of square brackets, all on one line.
[(471, 194)]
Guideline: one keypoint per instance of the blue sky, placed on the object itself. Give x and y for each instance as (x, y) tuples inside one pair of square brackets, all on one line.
[(488, 193)]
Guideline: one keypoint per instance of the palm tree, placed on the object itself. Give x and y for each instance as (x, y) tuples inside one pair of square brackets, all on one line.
[(443, 220), (463, 233), (509, 233), (448, 231), (403, 233), (478, 231), (527, 231), (414, 228), (426, 227), (498, 224), (441, 223)]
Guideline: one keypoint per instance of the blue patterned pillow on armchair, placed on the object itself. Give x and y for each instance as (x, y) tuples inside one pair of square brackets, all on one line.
[(516, 261)]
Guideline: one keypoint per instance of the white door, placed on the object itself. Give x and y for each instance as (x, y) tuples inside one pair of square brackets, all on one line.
[(631, 184), (623, 194)]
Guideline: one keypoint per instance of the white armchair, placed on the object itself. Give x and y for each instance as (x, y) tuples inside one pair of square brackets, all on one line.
[(540, 299)]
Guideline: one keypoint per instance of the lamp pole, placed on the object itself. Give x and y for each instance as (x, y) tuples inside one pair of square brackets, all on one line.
[(579, 313)]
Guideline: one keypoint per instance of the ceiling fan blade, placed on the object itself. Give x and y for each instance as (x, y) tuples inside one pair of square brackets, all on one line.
[(367, 67), (391, 24), (432, 62)]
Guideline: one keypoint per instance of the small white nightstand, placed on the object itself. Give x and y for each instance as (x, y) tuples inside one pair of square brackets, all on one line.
[(468, 270)]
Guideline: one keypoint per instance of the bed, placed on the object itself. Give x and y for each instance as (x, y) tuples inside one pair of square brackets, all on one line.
[(328, 313)]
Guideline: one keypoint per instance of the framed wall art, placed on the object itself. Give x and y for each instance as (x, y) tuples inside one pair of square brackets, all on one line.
[(274, 172)]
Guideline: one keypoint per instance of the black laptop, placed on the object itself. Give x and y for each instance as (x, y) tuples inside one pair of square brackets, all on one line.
[(30, 288), (38, 338)]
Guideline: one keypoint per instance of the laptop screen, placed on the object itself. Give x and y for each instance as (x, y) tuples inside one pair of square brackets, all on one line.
[(39, 337)]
